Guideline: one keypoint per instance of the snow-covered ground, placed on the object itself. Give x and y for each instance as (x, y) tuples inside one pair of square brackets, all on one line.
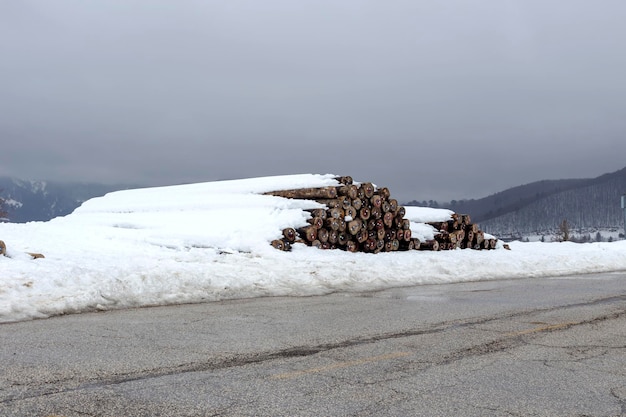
[(210, 241)]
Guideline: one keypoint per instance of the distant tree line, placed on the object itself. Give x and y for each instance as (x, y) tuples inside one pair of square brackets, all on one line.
[(3, 213)]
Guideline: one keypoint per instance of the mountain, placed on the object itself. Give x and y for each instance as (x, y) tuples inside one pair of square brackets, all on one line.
[(539, 207), (26, 201)]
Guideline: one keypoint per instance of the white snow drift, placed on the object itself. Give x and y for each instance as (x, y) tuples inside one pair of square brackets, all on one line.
[(210, 241)]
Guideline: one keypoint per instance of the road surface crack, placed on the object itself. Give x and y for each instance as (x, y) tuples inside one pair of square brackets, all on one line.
[(504, 343)]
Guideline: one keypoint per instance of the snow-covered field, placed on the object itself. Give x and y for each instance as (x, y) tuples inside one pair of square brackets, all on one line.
[(210, 241)]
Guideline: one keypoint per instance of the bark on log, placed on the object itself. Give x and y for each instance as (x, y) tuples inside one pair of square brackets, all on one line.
[(384, 193), (365, 213), (376, 201), (346, 180), (388, 219), (281, 244), (368, 189), (322, 235), (316, 221), (342, 224), (393, 205), (350, 191), (317, 212), (306, 193), (309, 233), (336, 213), (429, 245), (355, 226), (361, 236), (290, 234), (345, 202), (332, 223), (440, 226), (404, 245), (351, 212), (330, 202), (342, 238), (369, 245), (357, 203)]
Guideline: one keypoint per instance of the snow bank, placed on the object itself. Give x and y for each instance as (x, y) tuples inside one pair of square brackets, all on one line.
[(210, 241)]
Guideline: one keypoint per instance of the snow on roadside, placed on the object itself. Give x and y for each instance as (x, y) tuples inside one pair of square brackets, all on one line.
[(210, 241)]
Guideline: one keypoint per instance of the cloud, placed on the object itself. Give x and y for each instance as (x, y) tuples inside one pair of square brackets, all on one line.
[(161, 93)]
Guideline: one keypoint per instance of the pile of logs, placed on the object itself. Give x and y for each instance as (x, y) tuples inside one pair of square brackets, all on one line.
[(460, 232), (364, 218)]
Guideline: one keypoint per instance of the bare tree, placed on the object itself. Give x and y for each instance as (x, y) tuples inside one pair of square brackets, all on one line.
[(562, 235)]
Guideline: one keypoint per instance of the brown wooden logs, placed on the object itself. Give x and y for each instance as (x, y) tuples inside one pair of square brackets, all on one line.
[(306, 193), (432, 245), (319, 212), (363, 218), (350, 191), (281, 244), (309, 233), (368, 189), (354, 226), (346, 180), (315, 221), (290, 234)]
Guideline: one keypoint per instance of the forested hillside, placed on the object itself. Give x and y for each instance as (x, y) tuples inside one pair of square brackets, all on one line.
[(592, 206)]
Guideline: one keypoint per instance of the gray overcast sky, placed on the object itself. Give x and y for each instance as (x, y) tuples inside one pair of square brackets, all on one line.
[(433, 99)]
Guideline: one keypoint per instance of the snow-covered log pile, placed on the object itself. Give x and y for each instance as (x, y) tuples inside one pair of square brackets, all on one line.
[(460, 232), (364, 218)]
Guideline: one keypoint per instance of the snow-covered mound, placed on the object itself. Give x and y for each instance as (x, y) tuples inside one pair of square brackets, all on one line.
[(210, 241)]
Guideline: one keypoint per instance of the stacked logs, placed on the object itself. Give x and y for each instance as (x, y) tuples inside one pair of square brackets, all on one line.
[(363, 218), (460, 232), (357, 218)]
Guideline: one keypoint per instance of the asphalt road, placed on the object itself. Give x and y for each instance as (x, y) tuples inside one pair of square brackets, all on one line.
[(531, 347)]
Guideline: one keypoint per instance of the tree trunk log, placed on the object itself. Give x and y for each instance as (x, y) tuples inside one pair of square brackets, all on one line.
[(429, 245), (351, 212), (322, 235), (316, 221), (376, 201), (350, 191), (332, 223), (317, 212), (355, 226), (384, 193), (368, 189), (290, 234), (330, 202), (309, 233), (306, 193), (346, 180)]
